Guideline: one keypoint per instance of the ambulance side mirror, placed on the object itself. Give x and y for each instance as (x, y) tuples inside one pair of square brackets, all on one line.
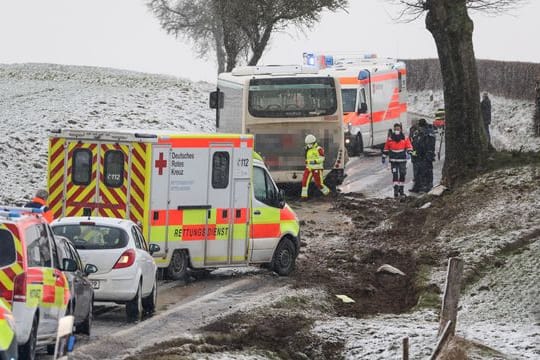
[(362, 108), (281, 199)]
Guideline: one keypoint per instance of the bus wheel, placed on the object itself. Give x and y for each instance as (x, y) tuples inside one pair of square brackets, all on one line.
[(284, 257), (177, 269)]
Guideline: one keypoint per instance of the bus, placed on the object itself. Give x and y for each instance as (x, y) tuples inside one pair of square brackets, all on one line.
[(374, 94), (280, 105)]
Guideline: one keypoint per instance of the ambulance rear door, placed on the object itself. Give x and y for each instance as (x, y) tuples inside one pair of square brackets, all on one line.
[(97, 179)]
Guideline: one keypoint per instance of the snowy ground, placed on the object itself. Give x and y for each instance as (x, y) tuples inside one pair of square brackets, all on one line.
[(35, 98)]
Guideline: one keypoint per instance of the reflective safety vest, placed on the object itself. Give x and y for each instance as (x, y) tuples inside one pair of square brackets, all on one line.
[(315, 157), (6, 332)]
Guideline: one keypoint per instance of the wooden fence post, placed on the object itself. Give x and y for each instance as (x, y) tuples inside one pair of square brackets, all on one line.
[(451, 295), (405, 348)]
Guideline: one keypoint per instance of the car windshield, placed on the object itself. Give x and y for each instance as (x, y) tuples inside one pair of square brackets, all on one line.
[(7, 248), (93, 237)]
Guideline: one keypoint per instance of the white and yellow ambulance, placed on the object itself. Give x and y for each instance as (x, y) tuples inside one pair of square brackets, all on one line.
[(207, 200)]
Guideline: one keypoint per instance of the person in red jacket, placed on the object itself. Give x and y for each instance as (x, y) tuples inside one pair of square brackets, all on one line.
[(396, 149), (40, 201)]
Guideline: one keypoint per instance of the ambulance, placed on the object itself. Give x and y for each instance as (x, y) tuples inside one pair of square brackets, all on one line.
[(207, 200), (374, 95)]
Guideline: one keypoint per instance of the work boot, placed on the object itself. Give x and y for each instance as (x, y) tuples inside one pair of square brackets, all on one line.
[(401, 191), (396, 191)]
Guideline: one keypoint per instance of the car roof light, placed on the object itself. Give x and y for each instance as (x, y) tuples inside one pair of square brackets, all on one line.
[(363, 74)]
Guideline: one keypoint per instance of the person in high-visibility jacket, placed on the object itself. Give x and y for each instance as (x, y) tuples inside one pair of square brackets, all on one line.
[(397, 148), (314, 166), (40, 202)]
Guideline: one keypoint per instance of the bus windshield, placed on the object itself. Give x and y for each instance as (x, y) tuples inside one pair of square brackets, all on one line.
[(292, 97), (349, 100)]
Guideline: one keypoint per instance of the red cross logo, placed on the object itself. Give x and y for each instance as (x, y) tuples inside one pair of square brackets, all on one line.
[(161, 163)]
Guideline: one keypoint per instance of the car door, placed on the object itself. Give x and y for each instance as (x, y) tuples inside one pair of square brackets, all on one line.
[(142, 260), (83, 288)]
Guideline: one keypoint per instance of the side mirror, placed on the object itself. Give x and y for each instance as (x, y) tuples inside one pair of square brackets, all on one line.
[(69, 265), (281, 199), (362, 109), (90, 269), (153, 248), (216, 100)]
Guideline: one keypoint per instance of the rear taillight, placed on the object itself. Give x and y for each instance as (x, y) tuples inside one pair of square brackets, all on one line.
[(125, 260), (19, 288)]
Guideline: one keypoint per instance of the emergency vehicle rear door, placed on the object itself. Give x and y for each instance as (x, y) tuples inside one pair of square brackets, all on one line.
[(220, 216), (242, 165), (97, 179)]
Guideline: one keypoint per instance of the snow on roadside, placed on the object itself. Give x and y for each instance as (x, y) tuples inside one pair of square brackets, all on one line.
[(511, 124), (35, 98)]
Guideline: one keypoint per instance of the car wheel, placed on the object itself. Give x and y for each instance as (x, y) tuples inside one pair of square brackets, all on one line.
[(284, 257), (149, 302), (134, 306), (177, 269), (28, 349), (86, 326)]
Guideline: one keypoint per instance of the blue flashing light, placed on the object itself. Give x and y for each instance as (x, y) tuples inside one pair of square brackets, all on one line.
[(329, 60), (14, 214), (363, 75)]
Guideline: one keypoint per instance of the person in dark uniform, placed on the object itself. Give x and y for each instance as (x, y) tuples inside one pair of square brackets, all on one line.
[(414, 133)]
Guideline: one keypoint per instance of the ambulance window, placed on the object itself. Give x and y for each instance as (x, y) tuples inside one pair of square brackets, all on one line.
[(220, 170), (263, 187), (114, 168), (81, 167), (7, 248)]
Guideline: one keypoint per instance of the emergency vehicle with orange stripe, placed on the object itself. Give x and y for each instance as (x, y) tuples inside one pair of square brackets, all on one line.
[(374, 95), (207, 200), (31, 284)]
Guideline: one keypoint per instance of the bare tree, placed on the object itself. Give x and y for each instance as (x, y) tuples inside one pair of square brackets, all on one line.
[(232, 28), (452, 29)]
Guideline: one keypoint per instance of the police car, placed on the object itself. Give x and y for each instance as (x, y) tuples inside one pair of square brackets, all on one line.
[(31, 283)]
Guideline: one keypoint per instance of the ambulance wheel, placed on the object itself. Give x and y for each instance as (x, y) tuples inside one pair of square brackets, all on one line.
[(284, 257), (177, 269), (134, 307), (28, 349)]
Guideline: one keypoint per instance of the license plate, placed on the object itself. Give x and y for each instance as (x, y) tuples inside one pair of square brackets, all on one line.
[(95, 284)]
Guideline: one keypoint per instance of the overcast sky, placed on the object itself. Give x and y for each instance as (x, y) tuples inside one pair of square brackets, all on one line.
[(123, 34)]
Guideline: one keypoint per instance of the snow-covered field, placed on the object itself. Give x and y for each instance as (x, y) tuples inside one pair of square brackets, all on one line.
[(35, 98)]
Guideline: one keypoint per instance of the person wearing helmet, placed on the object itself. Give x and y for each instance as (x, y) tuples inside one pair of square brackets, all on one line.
[(396, 148), (314, 166)]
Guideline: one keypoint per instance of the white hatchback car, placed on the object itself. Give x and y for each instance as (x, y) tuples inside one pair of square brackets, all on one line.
[(126, 269)]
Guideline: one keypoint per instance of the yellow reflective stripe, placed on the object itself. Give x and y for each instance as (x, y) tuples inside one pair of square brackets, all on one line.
[(157, 233), (268, 215), (212, 218), (240, 231), (290, 226), (7, 335), (217, 258), (6, 281), (194, 217), (148, 175)]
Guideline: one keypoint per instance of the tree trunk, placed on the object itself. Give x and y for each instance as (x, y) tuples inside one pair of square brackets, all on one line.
[(217, 30), (466, 142), (258, 48)]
